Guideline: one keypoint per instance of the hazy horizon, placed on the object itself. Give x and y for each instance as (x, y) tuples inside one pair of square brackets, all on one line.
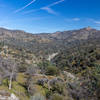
[(45, 31)]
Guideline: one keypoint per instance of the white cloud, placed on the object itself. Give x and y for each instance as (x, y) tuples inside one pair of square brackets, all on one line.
[(97, 22), (72, 19), (20, 9), (46, 8), (55, 3), (93, 20), (49, 10), (76, 19)]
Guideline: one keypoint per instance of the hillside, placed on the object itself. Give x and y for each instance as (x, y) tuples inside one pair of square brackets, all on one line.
[(46, 43), (50, 66)]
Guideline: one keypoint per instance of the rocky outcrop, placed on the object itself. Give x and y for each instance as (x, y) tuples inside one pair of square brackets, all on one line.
[(69, 77), (5, 95)]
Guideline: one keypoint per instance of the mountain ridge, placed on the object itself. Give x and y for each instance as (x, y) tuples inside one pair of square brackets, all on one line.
[(47, 43), (3, 28)]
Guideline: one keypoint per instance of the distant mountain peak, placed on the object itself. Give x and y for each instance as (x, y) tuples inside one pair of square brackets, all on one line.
[(89, 28)]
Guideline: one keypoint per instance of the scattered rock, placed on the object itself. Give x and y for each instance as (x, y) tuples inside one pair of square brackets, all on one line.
[(4, 95), (69, 77)]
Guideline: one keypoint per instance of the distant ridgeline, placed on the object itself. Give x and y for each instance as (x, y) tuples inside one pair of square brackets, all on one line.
[(48, 43)]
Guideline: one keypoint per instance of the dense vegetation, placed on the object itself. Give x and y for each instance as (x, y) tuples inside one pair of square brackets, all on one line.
[(84, 62), (72, 74)]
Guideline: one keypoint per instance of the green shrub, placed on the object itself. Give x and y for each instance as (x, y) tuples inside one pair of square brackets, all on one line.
[(52, 70), (38, 97), (57, 97), (58, 87), (5, 82)]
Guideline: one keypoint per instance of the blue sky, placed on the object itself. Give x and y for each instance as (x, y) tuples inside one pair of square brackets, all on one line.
[(37, 16)]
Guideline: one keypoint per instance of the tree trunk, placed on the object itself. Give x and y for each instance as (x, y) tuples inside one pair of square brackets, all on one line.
[(10, 83), (11, 77)]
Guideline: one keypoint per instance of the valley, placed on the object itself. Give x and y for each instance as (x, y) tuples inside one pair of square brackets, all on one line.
[(50, 66)]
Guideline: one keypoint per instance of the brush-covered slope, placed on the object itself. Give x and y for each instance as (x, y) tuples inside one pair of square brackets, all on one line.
[(72, 72), (46, 43)]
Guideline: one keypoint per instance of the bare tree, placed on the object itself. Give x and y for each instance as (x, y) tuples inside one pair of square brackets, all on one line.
[(9, 69), (11, 76)]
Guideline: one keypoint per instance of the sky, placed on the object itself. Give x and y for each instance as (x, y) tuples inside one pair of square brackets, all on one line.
[(38, 16)]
